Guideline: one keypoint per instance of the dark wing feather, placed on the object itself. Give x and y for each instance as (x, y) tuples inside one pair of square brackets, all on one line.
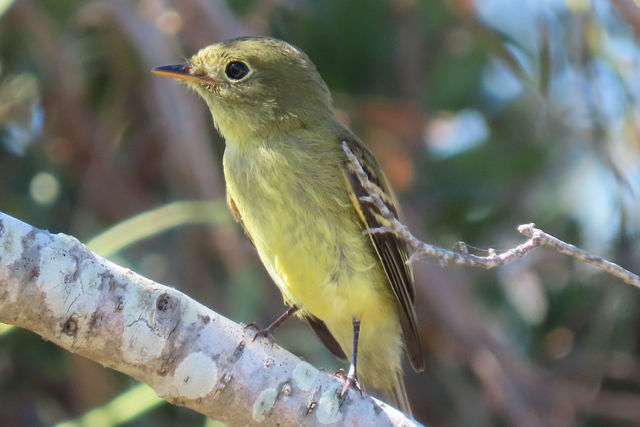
[(390, 249), (236, 215), (322, 332)]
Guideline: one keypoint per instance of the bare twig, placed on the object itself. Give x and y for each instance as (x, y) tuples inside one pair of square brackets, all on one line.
[(191, 356), (536, 236), (540, 238)]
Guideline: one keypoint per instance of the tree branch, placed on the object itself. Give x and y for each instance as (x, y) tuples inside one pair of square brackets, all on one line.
[(191, 356), (536, 236)]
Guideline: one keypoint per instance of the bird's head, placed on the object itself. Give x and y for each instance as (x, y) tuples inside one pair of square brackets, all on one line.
[(255, 86)]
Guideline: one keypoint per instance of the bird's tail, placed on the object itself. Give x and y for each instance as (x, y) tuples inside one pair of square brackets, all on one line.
[(396, 396)]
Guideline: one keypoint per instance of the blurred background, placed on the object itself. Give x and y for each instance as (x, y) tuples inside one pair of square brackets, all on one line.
[(484, 113)]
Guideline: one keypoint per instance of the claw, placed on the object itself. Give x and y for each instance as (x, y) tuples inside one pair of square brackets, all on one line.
[(268, 331), (341, 375), (253, 325), (263, 333), (350, 380)]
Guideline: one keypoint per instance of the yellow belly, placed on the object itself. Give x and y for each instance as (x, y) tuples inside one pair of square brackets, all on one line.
[(310, 240)]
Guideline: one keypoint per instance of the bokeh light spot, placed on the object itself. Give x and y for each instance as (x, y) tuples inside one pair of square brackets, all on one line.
[(559, 342), (44, 188), (169, 22)]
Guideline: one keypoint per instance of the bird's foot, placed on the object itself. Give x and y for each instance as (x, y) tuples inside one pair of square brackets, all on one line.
[(350, 380), (261, 333)]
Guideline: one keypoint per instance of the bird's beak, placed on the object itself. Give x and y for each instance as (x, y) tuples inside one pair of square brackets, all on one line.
[(178, 71)]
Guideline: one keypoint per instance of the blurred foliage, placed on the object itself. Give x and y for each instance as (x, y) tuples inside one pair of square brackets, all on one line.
[(120, 410), (485, 114)]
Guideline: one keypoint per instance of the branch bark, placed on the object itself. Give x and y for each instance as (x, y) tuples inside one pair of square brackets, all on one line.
[(191, 356), (536, 236)]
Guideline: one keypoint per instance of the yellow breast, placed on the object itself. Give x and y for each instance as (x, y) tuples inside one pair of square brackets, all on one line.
[(306, 231)]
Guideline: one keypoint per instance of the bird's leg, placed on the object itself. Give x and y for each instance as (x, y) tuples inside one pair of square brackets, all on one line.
[(268, 331), (352, 377)]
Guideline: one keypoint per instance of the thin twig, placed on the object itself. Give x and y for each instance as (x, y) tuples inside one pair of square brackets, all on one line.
[(536, 236), (544, 239)]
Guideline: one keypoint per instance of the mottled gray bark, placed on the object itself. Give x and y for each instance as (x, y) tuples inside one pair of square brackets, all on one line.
[(191, 356)]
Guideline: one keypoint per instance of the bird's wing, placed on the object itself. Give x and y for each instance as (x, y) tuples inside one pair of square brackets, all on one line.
[(322, 332), (236, 215), (389, 248), (318, 326)]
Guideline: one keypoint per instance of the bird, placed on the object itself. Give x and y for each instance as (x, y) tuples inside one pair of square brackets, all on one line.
[(299, 200)]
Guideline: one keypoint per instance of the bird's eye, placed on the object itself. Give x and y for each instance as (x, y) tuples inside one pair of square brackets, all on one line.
[(236, 70)]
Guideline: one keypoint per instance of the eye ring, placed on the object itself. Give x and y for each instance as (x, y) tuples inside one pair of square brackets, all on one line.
[(236, 70)]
